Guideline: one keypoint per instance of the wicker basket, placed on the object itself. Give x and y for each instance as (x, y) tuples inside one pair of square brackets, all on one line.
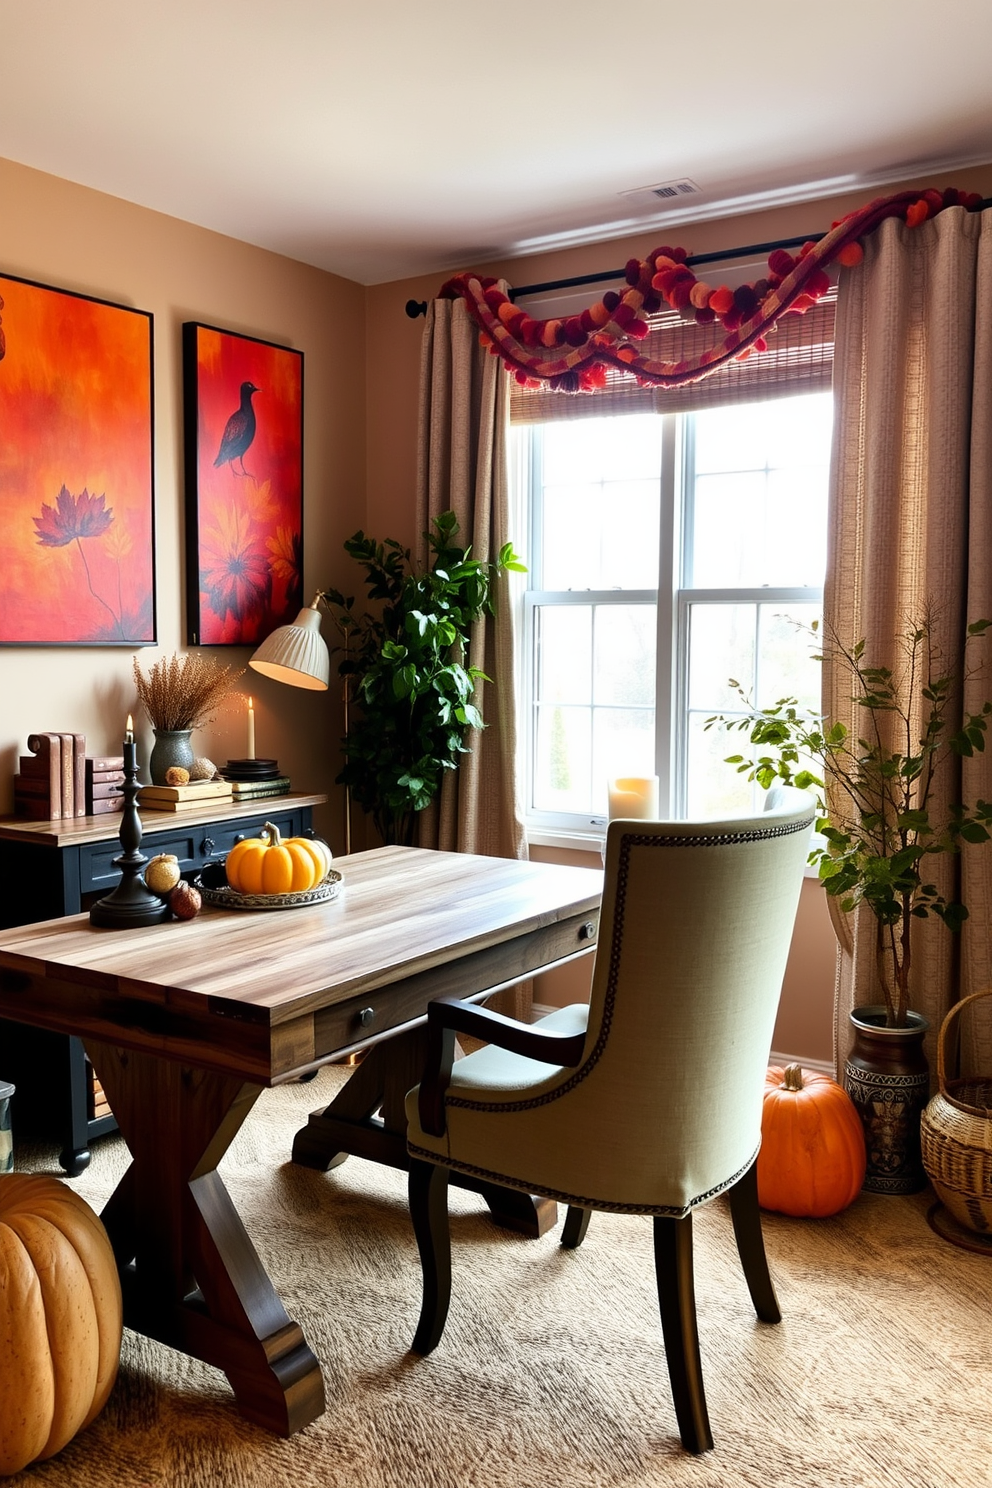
[(956, 1137)]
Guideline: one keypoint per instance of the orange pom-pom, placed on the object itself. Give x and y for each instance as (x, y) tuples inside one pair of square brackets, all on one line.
[(598, 314), (851, 255), (551, 334), (506, 312), (916, 213), (722, 300), (699, 295)]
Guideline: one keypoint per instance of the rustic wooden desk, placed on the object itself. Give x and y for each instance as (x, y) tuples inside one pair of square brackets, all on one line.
[(54, 868), (186, 1023)]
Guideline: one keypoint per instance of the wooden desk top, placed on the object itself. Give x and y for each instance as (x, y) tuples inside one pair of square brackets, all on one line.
[(233, 979), (76, 831)]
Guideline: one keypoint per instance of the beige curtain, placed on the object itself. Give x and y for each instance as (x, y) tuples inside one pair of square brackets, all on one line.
[(911, 521), (462, 468)]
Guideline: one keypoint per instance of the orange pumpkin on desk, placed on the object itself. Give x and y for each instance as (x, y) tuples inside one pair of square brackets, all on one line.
[(812, 1157), (60, 1318), (270, 865)]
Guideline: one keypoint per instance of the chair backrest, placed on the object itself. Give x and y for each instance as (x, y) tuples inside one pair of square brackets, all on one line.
[(695, 931)]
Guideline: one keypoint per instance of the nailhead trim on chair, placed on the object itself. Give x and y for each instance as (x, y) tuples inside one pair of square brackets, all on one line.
[(579, 1201), (628, 840)]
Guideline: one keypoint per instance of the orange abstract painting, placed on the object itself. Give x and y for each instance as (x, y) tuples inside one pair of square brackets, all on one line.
[(244, 486), (76, 470)]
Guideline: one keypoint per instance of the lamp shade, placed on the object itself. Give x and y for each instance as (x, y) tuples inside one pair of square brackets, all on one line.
[(296, 653)]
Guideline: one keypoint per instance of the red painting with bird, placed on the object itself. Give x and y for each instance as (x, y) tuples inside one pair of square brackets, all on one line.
[(76, 469), (244, 485)]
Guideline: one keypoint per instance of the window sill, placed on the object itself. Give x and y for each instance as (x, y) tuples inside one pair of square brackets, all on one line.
[(567, 841)]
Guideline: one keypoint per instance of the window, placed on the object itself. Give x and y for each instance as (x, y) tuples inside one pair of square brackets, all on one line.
[(667, 553)]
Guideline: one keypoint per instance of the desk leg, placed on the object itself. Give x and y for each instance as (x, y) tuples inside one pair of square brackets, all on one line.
[(350, 1125), (190, 1274)]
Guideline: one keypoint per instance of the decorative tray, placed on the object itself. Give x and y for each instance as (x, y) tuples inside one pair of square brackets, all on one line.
[(222, 896)]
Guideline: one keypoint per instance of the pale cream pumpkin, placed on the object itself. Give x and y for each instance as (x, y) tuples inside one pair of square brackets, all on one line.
[(60, 1318)]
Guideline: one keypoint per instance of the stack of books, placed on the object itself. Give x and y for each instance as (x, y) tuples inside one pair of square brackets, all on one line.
[(52, 778), (184, 797), (104, 782), (254, 779)]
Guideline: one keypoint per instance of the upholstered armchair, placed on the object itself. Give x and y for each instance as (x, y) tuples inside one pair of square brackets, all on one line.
[(648, 1101)]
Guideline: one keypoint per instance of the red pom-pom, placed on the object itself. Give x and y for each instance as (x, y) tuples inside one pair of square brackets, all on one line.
[(632, 270), (760, 344), (638, 329), (851, 255), (652, 304), (745, 300), (521, 377), (586, 321), (732, 318), (530, 332), (623, 315), (494, 298), (705, 317), (679, 294), (807, 249), (721, 300), (817, 283), (575, 335), (781, 263)]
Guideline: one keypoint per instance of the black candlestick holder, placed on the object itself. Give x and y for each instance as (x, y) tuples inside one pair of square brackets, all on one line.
[(132, 902)]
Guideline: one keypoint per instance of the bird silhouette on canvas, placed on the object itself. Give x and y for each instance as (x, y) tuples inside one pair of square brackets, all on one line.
[(239, 431)]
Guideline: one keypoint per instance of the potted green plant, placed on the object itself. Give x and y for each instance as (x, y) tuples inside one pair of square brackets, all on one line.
[(406, 666), (879, 836)]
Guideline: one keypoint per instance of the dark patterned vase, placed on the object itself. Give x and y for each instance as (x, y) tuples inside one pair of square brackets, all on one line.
[(888, 1079), (171, 747)]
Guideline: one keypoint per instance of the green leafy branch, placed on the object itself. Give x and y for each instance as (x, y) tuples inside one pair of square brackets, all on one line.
[(881, 829)]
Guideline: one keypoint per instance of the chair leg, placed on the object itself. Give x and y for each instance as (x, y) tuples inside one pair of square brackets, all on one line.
[(429, 1212), (575, 1226), (677, 1300), (746, 1215)]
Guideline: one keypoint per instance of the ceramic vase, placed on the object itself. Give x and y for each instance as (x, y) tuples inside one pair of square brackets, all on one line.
[(171, 747), (888, 1079)]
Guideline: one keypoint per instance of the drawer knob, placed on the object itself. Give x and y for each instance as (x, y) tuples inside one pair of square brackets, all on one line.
[(241, 837), (588, 930), (366, 1017), (208, 845)]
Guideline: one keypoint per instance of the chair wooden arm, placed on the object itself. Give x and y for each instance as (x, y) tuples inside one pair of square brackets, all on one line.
[(447, 1016)]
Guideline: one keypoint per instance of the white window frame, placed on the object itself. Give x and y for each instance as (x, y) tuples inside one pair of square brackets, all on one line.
[(673, 601)]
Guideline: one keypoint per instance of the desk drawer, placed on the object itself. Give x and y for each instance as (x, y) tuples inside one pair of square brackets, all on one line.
[(194, 846)]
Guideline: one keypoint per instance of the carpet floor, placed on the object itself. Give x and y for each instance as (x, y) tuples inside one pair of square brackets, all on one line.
[(551, 1370)]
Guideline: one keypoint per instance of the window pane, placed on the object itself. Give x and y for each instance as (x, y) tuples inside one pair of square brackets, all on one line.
[(623, 744), (757, 493), (713, 788), (721, 645), (625, 654), (564, 639), (600, 487), (786, 649), (562, 765)]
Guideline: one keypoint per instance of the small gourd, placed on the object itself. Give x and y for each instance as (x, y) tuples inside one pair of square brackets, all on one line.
[(162, 873), (812, 1157), (60, 1318), (270, 865)]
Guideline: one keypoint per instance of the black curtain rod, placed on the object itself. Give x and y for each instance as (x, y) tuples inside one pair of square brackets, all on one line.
[(419, 307)]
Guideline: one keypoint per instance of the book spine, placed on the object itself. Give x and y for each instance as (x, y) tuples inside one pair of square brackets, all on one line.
[(259, 795), (68, 775), (103, 790), (105, 805), (103, 777), (104, 762), (79, 773)]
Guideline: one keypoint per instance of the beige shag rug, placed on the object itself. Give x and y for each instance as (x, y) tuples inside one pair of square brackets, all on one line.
[(551, 1370)]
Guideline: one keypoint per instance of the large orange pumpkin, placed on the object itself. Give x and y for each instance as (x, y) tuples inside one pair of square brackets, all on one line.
[(60, 1317), (268, 864), (812, 1157)]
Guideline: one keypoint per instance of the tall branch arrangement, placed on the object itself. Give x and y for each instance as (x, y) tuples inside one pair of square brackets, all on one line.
[(183, 693), (574, 353), (881, 829)]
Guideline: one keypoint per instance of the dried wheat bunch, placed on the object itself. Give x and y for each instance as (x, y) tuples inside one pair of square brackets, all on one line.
[(183, 692)]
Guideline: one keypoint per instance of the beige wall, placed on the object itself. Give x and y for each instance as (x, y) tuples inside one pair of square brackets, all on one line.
[(74, 238), (805, 1025)]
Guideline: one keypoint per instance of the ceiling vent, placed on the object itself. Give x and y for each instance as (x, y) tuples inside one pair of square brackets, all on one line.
[(664, 192)]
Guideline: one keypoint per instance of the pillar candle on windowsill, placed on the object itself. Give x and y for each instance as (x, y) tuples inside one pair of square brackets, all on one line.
[(130, 749), (634, 797), (251, 730)]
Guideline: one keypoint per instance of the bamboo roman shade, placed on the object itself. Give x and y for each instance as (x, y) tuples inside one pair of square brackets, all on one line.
[(799, 359)]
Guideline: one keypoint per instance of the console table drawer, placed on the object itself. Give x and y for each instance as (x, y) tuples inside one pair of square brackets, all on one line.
[(193, 845)]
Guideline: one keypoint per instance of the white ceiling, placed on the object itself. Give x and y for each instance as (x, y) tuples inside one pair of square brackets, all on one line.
[(391, 138)]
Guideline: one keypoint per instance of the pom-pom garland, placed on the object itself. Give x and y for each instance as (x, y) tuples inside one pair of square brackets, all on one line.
[(573, 353)]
